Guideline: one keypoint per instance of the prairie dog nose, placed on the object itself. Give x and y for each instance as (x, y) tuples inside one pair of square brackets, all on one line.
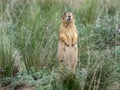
[(69, 16)]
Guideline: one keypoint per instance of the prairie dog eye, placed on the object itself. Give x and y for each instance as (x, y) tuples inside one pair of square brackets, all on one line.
[(64, 13)]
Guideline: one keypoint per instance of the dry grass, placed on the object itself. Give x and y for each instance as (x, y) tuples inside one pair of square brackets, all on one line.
[(31, 28)]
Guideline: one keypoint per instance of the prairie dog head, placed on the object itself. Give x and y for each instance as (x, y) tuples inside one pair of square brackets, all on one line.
[(68, 17)]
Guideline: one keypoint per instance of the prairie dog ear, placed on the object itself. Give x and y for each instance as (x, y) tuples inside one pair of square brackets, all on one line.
[(63, 16), (64, 13)]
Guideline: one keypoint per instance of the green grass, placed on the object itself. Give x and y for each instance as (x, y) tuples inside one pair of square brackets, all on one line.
[(30, 29)]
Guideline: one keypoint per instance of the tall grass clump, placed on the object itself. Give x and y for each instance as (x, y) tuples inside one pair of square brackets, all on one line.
[(29, 33)]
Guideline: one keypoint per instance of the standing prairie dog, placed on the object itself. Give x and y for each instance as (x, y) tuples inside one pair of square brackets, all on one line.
[(67, 53)]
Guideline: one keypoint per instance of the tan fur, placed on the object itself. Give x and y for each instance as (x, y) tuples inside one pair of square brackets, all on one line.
[(67, 53)]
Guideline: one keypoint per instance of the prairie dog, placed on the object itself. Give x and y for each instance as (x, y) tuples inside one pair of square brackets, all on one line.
[(67, 53)]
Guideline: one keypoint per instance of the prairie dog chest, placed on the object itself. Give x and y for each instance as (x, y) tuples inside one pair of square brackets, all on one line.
[(69, 34)]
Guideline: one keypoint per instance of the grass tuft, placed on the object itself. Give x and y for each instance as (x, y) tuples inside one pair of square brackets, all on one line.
[(31, 29)]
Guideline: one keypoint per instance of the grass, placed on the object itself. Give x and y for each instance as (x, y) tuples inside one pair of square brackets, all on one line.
[(29, 32)]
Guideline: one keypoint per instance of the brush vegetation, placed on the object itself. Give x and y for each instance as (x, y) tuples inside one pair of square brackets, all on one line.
[(29, 32)]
